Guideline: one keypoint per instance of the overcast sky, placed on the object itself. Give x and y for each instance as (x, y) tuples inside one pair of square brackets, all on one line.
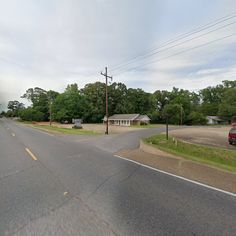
[(51, 43)]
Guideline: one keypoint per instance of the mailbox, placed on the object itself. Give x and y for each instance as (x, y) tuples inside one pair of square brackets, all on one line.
[(77, 123)]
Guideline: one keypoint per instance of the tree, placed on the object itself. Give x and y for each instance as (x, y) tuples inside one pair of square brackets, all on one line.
[(30, 114), (34, 95), (227, 107), (161, 99), (196, 118), (14, 107), (3, 113), (211, 98), (117, 93), (169, 112), (88, 103), (94, 95), (41, 100), (138, 101), (70, 104), (229, 84)]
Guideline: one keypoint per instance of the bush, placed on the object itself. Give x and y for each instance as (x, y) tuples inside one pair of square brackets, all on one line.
[(31, 114), (196, 118), (9, 114)]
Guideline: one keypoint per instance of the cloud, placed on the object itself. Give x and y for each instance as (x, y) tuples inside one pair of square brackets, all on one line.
[(52, 43)]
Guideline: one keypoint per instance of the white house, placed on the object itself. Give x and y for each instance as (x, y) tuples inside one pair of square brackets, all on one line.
[(214, 120), (128, 119)]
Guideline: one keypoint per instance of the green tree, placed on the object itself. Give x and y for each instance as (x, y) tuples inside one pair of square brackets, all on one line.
[(41, 100), (138, 101), (14, 108), (211, 98), (227, 107), (30, 114), (34, 95), (229, 84), (117, 93), (196, 118), (94, 95), (169, 112), (70, 104)]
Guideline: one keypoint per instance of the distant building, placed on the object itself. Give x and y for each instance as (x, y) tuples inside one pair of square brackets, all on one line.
[(215, 120), (128, 119)]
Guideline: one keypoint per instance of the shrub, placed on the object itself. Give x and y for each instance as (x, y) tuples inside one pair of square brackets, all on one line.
[(196, 118), (31, 114)]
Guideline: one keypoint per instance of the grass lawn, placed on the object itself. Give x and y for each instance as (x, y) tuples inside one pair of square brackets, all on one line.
[(65, 130), (60, 130), (219, 157)]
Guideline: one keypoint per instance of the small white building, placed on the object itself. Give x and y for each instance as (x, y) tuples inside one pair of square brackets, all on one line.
[(128, 119), (214, 120)]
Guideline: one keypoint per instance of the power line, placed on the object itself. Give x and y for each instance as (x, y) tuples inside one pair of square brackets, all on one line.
[(181, 37), (154, 51), (178, 38), (178, 44), (178, 53)]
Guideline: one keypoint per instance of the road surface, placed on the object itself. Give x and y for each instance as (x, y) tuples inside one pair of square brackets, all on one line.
[(72, 185)]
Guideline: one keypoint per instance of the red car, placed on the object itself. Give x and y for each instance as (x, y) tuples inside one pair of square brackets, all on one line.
[(232, 136)]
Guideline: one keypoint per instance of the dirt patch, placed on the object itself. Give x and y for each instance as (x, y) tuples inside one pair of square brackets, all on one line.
[(212, 136)]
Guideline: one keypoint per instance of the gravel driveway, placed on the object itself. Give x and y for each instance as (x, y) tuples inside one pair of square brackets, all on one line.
[(212, 136)]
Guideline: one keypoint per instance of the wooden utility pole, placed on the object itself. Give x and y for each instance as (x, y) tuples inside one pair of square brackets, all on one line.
[(107, 77), (50, 112), (181, 114), (167, 128)]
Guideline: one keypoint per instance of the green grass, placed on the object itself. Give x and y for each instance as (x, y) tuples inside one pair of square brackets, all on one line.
[(145, 126), (219, 157), (59, 130), (65, 130)]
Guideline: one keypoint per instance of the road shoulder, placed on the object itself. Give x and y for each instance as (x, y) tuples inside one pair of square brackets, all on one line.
[(199, 172)]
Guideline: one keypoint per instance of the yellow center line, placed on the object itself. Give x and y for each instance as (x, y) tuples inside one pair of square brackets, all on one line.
[(13, 134), (31, 154)]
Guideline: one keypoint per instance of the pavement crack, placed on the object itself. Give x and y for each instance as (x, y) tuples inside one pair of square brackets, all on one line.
[(129, 176), (96, 215), (103, 183), (16, 172)]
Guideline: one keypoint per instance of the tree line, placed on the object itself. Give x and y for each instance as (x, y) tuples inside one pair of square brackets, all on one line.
[(179, 105)]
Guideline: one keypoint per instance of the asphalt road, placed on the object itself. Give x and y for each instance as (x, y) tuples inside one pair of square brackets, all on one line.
[(70, 185)]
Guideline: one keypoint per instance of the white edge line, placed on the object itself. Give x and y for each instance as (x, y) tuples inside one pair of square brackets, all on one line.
[(39, 130), (179, 177), (42, 131)]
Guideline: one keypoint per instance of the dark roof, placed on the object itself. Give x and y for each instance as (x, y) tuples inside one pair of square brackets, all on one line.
[(123, 117)]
